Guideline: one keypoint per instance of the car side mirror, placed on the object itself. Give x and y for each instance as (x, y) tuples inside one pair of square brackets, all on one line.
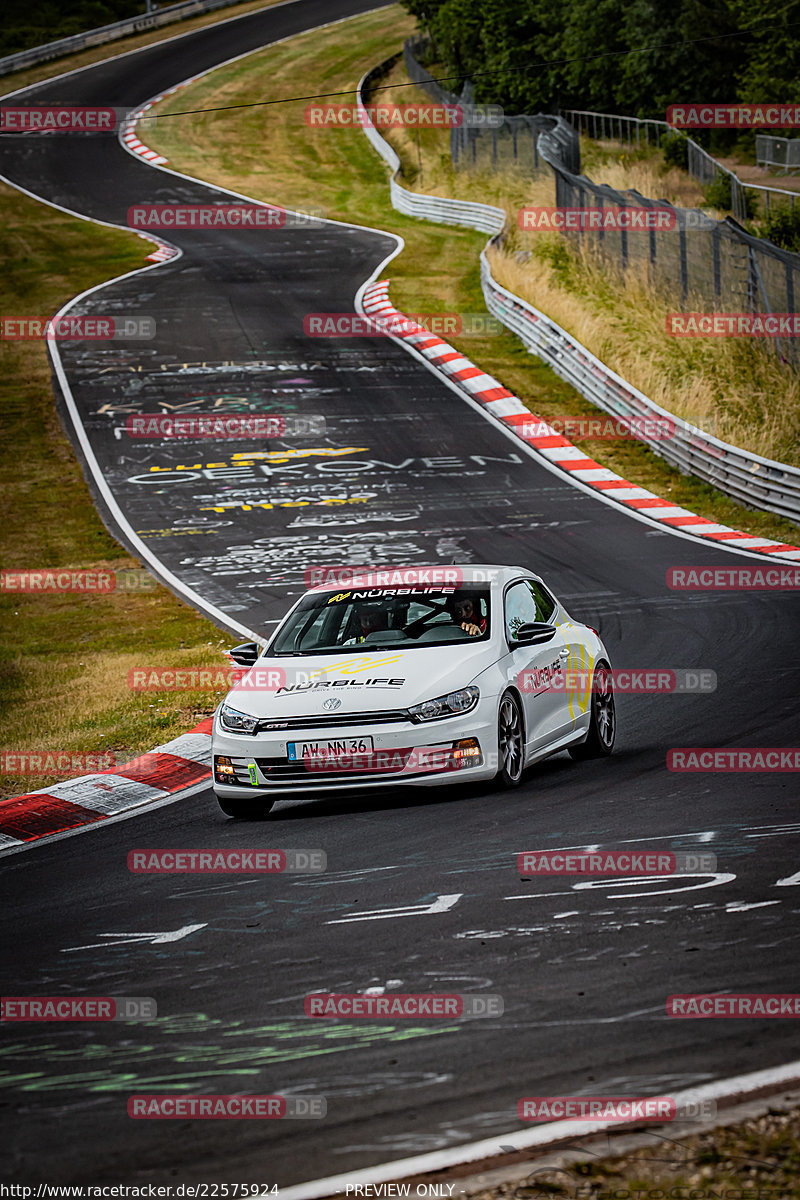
[(245, 655), (535, 633)]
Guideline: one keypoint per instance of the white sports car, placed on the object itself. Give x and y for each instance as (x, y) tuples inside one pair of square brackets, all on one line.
[(417, 675)]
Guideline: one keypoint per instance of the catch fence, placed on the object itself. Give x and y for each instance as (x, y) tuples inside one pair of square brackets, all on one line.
[(705, 264)]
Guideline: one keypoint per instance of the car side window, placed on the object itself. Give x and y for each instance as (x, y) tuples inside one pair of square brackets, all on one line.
[(545, 604), (520, 608)]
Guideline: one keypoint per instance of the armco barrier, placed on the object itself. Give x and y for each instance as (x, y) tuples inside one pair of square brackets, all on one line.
[(108, 33), (752, 480)]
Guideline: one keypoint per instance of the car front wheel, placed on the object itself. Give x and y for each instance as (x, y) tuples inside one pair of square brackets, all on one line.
[(603, 723), (510, 742)]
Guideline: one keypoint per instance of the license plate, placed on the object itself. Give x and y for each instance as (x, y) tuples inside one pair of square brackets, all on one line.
[(328, 748)]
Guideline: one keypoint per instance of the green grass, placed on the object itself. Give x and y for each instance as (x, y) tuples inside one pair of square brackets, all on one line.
[(64, 658)]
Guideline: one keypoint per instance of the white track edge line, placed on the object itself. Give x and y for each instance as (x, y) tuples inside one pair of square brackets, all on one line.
[(439, 1160), (567, 476)]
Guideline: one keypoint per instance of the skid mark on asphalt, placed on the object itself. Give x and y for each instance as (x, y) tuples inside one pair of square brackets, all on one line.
[(120, 1068)]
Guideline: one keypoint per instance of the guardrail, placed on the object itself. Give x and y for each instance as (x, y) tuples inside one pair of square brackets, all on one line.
[(747, 477), (108, 33), (701, 165), (484, 217)]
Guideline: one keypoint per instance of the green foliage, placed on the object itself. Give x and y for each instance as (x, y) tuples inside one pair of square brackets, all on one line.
[(719, 195), (782, 226), (633, 58), (675, 148)]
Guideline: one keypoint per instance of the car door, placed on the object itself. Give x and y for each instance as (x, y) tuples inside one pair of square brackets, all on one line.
[(539, 671)]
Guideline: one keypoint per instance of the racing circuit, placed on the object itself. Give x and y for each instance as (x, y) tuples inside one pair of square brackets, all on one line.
[(421, 892)]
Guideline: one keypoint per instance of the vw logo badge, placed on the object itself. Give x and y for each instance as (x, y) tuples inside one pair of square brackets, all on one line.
[(330, 705)]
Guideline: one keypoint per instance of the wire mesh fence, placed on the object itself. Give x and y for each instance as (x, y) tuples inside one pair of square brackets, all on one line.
[(704, 264), (485, 141), (778, 152)]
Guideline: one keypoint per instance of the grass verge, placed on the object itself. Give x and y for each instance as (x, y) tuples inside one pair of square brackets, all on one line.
[(271, 154), (755, 1160), (64, 658)]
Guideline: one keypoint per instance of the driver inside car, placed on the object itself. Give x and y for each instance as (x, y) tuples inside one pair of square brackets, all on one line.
[(465, 610), (372, 620)]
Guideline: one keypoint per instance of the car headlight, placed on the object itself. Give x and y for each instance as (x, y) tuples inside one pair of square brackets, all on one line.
[(451, 705), (235, 721)]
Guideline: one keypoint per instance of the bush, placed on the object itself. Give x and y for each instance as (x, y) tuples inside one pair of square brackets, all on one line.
[(675, 147), (718, 195), (782, 226)]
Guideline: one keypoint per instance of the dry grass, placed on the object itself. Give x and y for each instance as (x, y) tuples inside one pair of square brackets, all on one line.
[(757, 1159), (642, 170), (728, 390), (736, 389)]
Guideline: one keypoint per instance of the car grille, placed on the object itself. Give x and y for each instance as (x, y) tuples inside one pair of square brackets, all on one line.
[(378, 764), (332, 720)]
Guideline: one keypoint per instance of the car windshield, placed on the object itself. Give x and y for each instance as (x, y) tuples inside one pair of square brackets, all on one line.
[(377, 617)]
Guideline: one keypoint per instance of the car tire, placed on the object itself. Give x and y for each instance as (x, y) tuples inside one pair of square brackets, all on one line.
[(245, 810), (599, 741), (510, 742)]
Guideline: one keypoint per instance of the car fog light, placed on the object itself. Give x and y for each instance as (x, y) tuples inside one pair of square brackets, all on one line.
[(224, 770), (467, 753)]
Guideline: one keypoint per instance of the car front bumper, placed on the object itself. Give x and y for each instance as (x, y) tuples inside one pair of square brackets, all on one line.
[(431, 754)]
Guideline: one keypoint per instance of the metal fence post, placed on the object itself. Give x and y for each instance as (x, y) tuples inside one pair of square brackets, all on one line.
[(715, 259)]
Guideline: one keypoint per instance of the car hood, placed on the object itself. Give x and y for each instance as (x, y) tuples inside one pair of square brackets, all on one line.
[(384, 679)]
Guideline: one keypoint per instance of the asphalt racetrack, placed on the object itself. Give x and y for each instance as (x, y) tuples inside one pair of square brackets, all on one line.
[(407, 472)]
